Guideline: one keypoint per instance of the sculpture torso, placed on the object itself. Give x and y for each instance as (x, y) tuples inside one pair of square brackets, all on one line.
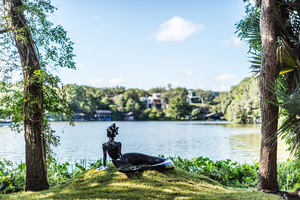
[(113, 149)]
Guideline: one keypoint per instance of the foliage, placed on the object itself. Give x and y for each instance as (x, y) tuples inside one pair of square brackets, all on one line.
[(145, 114), (155, 114), (225, 172), (205, 96), (157, 90), (55, 103), (171, 93), (248, 28), (195, 113), (13, 179), (53, 49), (242, 103), (289, 128), (178, 108), (244, 175), (289, 174)]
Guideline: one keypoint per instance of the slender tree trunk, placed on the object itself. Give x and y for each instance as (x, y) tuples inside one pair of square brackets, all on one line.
[(267, 176), (36, 170)]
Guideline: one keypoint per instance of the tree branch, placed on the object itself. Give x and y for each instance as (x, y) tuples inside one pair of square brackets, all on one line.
[(3, 30)]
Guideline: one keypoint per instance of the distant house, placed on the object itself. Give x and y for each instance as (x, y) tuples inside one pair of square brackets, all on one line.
[(193, 97), (216, 94), (155, 101), (146, 101), (128, 116), (213, 116), (103, 115), (79, 117)]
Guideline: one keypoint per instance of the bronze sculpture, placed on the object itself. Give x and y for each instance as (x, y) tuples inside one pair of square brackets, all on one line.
[(130, 162)]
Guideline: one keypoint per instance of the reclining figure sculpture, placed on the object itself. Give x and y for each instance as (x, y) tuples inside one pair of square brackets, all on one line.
[(130, 162)]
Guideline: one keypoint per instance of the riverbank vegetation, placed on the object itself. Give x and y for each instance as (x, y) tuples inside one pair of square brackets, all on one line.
[(84, 182)]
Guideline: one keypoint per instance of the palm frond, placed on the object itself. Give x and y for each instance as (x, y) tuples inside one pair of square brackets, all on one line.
[(290, 128)]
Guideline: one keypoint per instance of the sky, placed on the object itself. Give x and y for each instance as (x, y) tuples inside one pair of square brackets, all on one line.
[(153, 43)]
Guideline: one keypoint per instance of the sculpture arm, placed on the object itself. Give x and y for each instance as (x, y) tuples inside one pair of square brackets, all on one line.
[(119, 152), (104, 154)]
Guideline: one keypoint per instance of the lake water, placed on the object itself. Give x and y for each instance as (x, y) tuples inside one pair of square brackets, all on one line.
[(216, 140)]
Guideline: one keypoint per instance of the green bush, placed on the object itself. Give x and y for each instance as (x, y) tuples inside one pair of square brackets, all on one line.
[(244, 175), (224, 171), (13, 179), (289, 174)]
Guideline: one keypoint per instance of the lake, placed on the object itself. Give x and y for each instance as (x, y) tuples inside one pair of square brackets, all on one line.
[(187, 139)]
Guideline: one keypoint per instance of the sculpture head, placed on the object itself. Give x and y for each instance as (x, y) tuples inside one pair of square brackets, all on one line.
[(112, 131)]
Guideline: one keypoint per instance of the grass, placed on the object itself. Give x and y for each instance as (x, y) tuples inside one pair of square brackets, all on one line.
[(111, 184)]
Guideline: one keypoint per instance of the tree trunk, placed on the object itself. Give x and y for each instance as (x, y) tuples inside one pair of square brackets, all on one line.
[(267, 176), (36, 170)]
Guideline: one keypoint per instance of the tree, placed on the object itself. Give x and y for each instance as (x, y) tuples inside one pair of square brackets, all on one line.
[(178, 107), (287, 27), (155, 114), (205, 95), (195, 113), (267, 176), (131, 94), (157, 90), (242, 103), (25, 31)]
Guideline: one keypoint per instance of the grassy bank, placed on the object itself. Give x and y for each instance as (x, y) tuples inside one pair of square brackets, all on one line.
[(111, 184)]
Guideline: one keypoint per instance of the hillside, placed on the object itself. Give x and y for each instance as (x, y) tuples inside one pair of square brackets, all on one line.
[(111, 184)]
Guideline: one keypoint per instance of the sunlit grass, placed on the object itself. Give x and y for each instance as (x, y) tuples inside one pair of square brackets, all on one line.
[(111, 184)]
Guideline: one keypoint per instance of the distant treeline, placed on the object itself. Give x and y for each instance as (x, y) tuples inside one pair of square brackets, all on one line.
[(240, 104)]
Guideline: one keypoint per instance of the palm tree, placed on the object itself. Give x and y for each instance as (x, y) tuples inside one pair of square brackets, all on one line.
[(287, 29)]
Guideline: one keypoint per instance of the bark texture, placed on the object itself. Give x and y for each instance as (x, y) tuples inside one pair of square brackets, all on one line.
[(267, 176), (36, 170)]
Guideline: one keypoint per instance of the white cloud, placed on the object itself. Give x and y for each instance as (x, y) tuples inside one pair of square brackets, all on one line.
[(202, 86), (234, 41), (224, 77), (174, 84), (220, 88), (189, 72), (117, 81), (237, 42), (81, 64), (177, 29), (91, 48), (164, 61), (95, 82), (126, 53)]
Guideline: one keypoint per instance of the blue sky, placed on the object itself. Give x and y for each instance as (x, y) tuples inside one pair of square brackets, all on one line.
[(150, 43)]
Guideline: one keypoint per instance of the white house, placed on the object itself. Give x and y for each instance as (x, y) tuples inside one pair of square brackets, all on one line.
[(193, 97), (155, 101)]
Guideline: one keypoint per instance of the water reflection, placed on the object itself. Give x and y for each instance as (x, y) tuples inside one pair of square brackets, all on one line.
[(186, 139)]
